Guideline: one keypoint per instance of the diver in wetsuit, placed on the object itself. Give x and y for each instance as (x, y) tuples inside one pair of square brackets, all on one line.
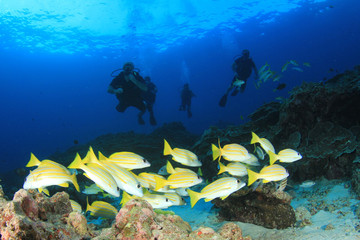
[(242, 66), (128, 87), (186, 95)]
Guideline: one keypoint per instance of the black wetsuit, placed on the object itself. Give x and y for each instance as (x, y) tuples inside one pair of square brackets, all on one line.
[(243, 67), (131, 95)]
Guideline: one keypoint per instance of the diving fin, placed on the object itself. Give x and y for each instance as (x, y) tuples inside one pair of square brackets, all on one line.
[(223, 101)]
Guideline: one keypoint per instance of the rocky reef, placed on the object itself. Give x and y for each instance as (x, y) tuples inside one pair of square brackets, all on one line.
[(32, 215), (320, 120)]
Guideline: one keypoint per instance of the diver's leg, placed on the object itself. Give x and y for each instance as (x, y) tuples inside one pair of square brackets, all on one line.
[(152, 117)]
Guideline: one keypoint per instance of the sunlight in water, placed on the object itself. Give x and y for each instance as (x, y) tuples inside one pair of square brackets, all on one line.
[(73, 26)]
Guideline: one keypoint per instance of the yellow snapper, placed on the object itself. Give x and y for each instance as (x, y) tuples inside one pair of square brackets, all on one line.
[(155, 200), (125, 179), (287, 155), (147, 180), (75, 206), (97, 174), (221, 188), (49, 175), (268, 174), (264, 143), (127, 160), (231, 152), (92, 189), (234, 168), (179, 179), (182, 156), (175, 198), (34, 161), (253, 160), (284, 67), (101, 209)]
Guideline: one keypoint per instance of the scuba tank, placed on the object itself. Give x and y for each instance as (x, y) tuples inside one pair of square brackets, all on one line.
[(120, 69)]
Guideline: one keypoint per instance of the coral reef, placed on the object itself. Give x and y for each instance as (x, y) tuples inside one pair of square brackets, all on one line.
[(34, 216)]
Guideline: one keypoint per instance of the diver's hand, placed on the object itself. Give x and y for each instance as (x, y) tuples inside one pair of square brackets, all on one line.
[(119, 91)]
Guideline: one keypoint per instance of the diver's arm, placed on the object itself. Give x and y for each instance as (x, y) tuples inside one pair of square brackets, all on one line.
[(114, 91), (255, 70)]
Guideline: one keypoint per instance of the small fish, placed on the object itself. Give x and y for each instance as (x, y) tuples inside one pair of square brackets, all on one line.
[(297, 69), (162, 171), (101, 209), (238, 83), (287, 155), (262, 69), (97, 174), (280, 86), (293, 62), (306, 64), (282, 185), (49, 175), (128, 160), (175, 198), (268, 174), (253, 161), (284, 67), (182, 156), (231, 152), (307, 184), (259, 152), (221, 188), (155, 200), (179, 179), (276, 78), (234, 168), (75, 206), (92, 189), (147, 180), (34, 161), (264, 143)]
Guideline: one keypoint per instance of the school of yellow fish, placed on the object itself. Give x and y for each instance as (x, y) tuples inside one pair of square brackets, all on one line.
[(265, 73), (113, 175)]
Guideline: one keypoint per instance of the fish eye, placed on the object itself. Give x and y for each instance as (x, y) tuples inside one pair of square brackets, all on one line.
[(166, 199), (117, 188), (138, 186), (237, 181), (199, 177), (144, 160)]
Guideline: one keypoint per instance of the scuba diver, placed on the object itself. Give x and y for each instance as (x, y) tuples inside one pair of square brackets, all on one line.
[(149, 97), (186, 95), (128, 87), (242, 66)]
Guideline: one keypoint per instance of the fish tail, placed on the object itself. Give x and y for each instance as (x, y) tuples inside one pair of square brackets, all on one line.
[(169, 168), (222, 168), (254, 138), (273, 157), (33, 161), (77, 163), (44, 190), (101, 156), (125, 198), (215, 151), (159, 183), (74, 181), (253, 176), (194, 197), (87, 205), (167, 148)]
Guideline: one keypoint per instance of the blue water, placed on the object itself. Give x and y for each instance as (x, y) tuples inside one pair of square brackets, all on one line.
[(56, 59)]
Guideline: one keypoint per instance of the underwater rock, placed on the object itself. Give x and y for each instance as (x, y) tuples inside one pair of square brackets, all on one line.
[(303, 216), (261, 207), (34, 216)]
